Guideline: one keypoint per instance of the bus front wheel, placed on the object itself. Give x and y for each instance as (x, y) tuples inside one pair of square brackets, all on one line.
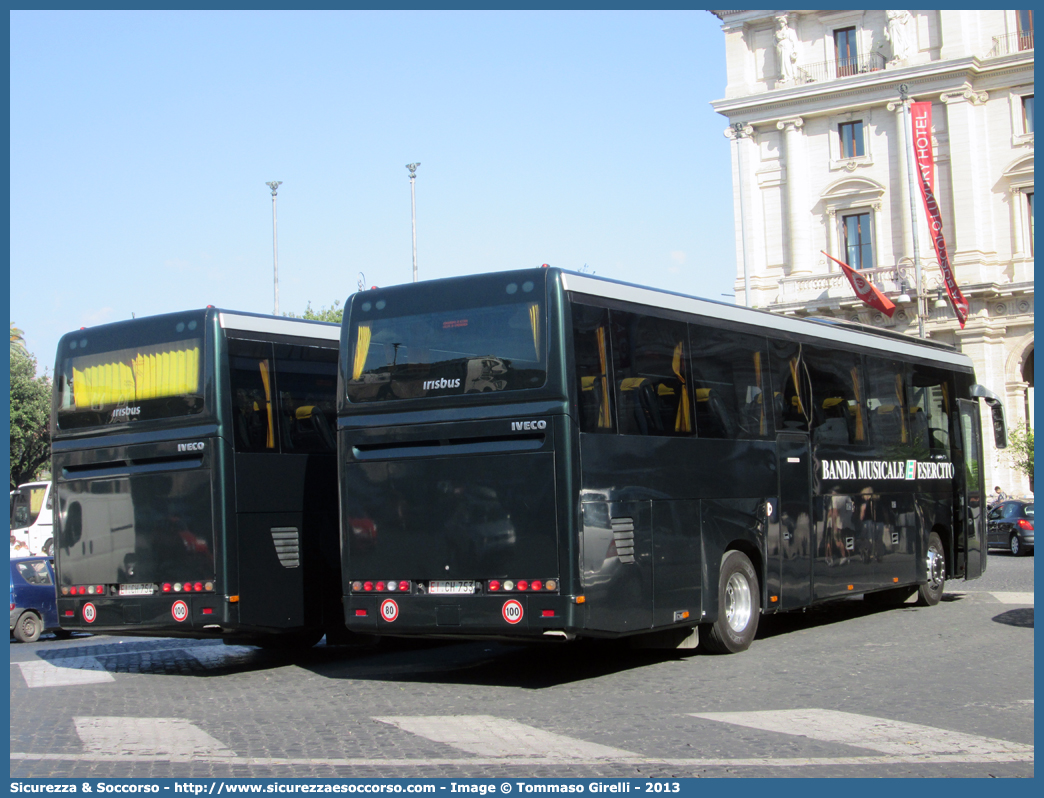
[(930, 592), (739, 606)]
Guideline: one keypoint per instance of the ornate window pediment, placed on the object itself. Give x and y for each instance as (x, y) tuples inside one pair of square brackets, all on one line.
[(852, 192)]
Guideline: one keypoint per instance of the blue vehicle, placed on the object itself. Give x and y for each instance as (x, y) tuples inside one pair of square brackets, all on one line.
[(33, 599)]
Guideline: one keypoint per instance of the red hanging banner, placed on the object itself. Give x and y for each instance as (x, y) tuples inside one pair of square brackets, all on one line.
[(864, 290), (921, 116)]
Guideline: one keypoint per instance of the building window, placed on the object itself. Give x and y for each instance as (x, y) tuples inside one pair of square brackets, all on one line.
[(1027, 113), (845, 52), (850, 134), (1026, 30), (856, 240)]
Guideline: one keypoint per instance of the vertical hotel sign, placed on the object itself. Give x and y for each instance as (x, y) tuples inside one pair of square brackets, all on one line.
[(921, 114)]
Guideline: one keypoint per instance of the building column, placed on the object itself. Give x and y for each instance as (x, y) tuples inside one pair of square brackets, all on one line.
[(969, 240), (799, 239), (1018, 211), (741, 136), (904, 181)]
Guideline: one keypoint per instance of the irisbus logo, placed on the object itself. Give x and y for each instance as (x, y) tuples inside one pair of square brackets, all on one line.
[(126, 412), (518, 426), (431, 385)]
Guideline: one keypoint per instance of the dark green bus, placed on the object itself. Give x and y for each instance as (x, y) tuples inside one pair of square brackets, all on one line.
[(195, 474), (547, 455)]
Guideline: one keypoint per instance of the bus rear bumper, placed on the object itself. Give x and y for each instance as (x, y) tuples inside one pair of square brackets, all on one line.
[(506, 615), (195, 615)]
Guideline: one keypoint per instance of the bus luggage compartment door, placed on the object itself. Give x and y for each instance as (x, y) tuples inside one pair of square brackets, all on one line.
[(794, 563)]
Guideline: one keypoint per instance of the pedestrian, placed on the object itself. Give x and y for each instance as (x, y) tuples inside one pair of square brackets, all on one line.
[(998, 495)]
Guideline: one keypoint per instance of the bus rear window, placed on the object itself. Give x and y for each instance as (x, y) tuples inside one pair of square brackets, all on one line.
[(454, 348), (130, 372)]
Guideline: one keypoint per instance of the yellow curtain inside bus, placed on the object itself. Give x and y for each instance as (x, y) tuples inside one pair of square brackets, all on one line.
[(796, 398), (534, 322), (362, 347), (900, 396), (761, 393), (683, 420), (131, 375), (36, 497), (267, 382), (604, 421), (860, 430)]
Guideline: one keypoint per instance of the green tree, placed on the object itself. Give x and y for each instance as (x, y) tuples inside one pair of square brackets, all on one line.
[(17, 339), (333, 313), (30, 419), (1020, 449)]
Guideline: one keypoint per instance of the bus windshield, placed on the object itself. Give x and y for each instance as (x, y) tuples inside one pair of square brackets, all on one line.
[(103, 380), (437, 341)]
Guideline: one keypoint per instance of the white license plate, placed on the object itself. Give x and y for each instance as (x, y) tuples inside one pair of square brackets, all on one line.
[(136, 590), (452, 587)]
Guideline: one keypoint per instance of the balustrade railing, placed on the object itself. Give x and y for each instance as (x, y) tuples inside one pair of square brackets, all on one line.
[(1012, 43), (839, 68)]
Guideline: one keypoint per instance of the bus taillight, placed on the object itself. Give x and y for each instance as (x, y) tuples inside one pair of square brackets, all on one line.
[(494, 585), (166, 587)]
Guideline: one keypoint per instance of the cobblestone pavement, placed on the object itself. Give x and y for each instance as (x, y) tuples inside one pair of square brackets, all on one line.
[(841, 690)]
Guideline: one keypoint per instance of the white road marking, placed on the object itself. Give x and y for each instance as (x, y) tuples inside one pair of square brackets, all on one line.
[(1013, 598), (529, 762), (485, 735), (159, 738), (863, 731), (38, 673)]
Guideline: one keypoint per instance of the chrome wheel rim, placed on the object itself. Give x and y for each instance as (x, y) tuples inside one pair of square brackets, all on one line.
[(936, 567), (738, 603)]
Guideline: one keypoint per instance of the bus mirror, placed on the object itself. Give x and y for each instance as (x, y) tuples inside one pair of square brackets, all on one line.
[(1000, 430)]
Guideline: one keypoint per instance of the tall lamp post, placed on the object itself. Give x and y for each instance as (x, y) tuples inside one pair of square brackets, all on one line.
[(413, 204), (905, 100), (275, 244)]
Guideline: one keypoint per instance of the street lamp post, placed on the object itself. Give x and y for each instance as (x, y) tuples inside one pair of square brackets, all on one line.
[(904, 99), (275, 245), (413, 205)]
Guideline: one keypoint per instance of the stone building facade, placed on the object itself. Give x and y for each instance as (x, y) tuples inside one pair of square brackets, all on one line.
[(820, 162)]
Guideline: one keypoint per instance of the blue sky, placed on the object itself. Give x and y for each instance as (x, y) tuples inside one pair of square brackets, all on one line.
[(141, 143)]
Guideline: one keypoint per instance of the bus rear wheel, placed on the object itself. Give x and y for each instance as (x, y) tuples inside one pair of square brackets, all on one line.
[(929, 594), (739, 606)]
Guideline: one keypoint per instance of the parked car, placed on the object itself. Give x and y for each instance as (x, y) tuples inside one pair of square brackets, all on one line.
[(1009, 525), (33, 605)]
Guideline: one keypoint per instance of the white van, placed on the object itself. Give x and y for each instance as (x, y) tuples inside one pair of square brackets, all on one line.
[(32, 519)]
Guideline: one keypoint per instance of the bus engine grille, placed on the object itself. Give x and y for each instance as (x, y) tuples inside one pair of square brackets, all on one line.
[(287, 545), (623, 537)]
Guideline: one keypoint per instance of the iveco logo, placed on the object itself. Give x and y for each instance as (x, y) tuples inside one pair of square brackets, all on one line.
[(124, 412), (190, 447), (517, 426)]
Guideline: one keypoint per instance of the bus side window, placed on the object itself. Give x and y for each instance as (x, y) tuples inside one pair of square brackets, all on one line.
[(251, 377), (930, 410), (838, 394), (886, 405), (730, 383), (307, 378), (650, 368), (591, 353), (790, 387)]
